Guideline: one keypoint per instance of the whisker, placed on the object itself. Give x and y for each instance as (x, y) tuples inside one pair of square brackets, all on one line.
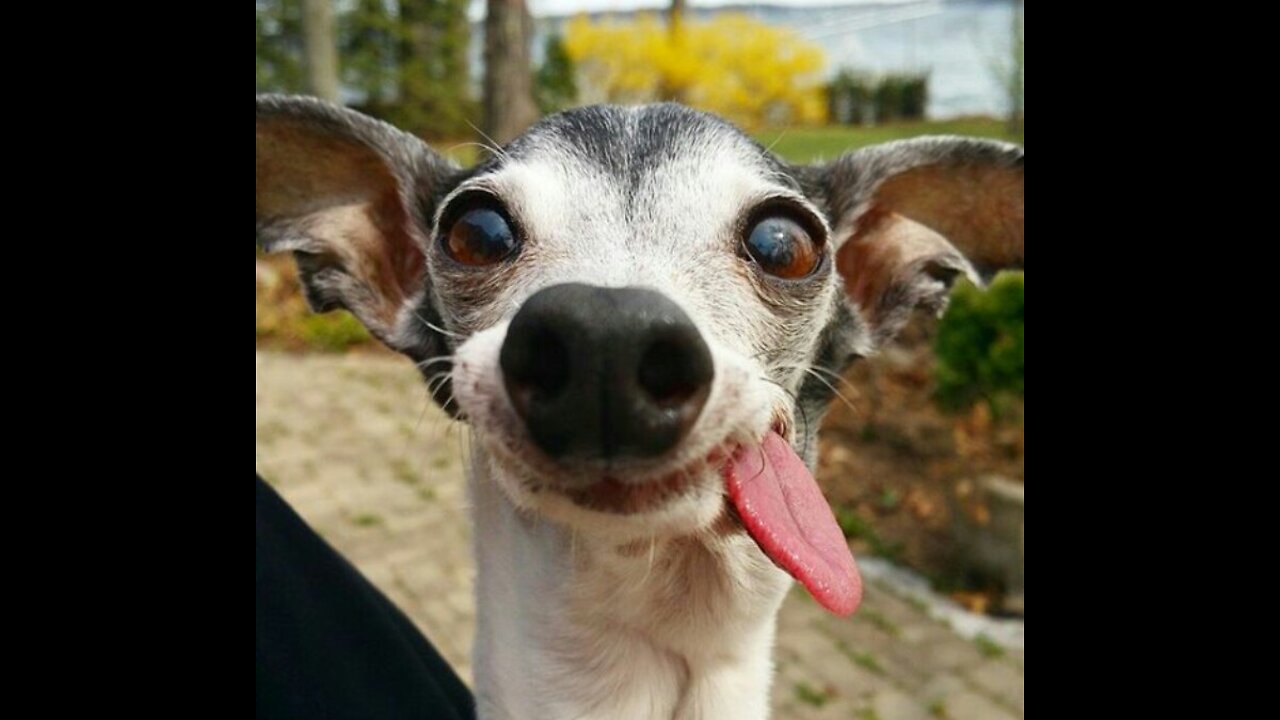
[(437, 328), (848, 403), (653, 544), (496, 152), (493, 146), (777, 140), (837, 376), (432, 361), (814, 368), (814, 373)]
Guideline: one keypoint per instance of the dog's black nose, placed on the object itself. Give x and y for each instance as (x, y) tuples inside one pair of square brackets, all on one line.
[(605, 373)]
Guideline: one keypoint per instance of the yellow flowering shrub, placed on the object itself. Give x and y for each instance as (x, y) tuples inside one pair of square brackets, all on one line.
[(750, 73)]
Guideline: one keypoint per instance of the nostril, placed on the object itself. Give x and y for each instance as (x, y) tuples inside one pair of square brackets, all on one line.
[(547, 373), (674, 371), (535, 366)]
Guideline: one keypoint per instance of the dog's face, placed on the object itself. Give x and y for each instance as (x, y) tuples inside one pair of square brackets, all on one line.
[(632, 242), (627, 303)]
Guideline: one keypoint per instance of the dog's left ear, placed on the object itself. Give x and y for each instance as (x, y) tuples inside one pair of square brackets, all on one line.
[(909, 217), (351, 197)]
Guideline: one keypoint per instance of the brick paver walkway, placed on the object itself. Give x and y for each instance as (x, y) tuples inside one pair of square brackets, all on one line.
[(353, 445)]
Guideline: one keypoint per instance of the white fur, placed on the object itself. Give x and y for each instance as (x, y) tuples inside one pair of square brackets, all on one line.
[(569, 627), (669, 612)]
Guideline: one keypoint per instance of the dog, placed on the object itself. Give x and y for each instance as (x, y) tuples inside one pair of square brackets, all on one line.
[(640, 312)]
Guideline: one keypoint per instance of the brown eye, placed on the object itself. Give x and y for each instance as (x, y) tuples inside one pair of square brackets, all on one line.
[(782, 248), (480, 237)]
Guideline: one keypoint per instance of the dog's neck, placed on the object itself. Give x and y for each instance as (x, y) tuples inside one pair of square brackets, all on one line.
[(570, 626)]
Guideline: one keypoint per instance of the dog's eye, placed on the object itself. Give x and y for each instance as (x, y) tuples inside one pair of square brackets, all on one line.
[(480, 237), (782, 248)]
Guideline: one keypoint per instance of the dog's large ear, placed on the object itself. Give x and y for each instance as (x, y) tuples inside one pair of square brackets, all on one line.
[(351, 197), (909, 217)]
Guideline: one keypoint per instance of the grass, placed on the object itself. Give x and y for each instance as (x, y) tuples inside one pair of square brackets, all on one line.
[(988, 647), (938, 708), (808, 144), (917, 604), (804, 145), (861, 659), (332, 332), (366, 520), (884, 624), (810, 695), (404, 471), (866, 660)]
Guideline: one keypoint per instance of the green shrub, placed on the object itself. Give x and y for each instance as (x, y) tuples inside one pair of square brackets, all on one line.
[(914, 97), (554, 85), (849, 98), (858, 98), (980, 344), (888, 97), (333, 331)]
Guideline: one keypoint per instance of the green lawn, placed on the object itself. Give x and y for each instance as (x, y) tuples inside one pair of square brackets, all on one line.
[(809, 144), (805, 145)]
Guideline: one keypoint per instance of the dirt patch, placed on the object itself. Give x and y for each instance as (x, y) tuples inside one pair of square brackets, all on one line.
[(898, 470)]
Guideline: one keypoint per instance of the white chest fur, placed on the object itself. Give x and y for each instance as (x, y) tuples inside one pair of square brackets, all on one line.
[(570, 626)]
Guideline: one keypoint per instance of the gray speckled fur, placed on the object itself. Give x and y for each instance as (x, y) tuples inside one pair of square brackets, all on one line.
[(625, 148)]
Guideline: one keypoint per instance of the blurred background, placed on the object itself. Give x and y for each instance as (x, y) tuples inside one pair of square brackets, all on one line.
[(922, 453)]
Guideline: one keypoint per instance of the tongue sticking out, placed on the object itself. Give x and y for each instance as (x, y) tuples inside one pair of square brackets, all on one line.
[(783, 509)]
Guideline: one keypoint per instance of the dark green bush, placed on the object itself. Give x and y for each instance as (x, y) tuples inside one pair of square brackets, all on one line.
[(914, 97), (979, 346), (554, 85), (857, 98), (332, 332), (888, 98), (849, 98)]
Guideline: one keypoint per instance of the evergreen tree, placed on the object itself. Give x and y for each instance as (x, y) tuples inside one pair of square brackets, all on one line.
[(434, 98), (555, 85), (279, 46)]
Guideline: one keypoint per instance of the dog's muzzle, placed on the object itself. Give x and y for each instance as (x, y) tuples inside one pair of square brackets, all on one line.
[(605, 374)]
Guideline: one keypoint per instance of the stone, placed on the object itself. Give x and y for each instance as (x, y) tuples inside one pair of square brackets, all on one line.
[(999, 680), (895, 705), (973, 706)]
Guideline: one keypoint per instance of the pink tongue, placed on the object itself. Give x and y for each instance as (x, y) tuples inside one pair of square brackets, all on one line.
[(783, 509)]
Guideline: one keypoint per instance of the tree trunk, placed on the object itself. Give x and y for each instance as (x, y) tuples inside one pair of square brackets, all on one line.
[(1016, 74), (675, 27), (509, 108), (320, 49), (676, 15)]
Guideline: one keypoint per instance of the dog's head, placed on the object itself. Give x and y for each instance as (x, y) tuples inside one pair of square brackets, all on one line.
[(640, 311)]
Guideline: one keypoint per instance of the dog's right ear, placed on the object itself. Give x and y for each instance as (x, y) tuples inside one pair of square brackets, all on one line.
[(352, 198)]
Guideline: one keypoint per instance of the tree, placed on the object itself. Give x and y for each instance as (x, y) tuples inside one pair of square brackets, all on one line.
[(1015, 80), (554, 84), (433, 97), (509, 108), (675, 28), (279, 46), (368, 41), (320, 49)]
